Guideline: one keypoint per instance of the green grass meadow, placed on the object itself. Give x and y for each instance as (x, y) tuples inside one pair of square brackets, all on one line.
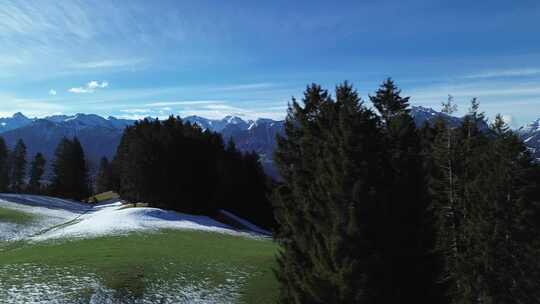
[(130, 265), (15, 217)]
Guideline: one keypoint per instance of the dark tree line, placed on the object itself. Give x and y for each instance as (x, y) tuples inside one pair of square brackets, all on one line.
[(70, 172), (486, 194), (13, 169), (104, 178), (175, 165), (373, 210)]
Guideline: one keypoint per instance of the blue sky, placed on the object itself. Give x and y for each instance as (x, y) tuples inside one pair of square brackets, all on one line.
[(214, 58)]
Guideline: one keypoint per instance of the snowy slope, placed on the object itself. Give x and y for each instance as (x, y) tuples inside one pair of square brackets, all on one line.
[(530, 135), (18, 120), (247, 224), (112, 219), (49, 212), (66, 219)]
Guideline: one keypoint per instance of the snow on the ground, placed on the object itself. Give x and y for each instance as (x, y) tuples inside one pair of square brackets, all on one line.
[(67, 219), (246, 223), (24, 283), (50, 203), (113, 219), (49, 212)]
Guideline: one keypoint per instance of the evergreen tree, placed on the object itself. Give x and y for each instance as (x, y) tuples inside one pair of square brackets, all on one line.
[(389, 103), (36, 173), (70, 179), (18, 167), (104, 178), (407, 228), (157, 162), (486, 199), (4, 166), (444, 184), (328, 204), (500, 221)]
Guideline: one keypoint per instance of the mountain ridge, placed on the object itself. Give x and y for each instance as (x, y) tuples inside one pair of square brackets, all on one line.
[(100, 136)]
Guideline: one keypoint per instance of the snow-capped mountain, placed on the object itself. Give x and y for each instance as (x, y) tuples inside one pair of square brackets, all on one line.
[(100, 136), (81, 121), (259, 136), (217, 125), (251, 135), (77, 121), (16, 121), (422, 115), (530, 128), (43, 136), (530, 134)]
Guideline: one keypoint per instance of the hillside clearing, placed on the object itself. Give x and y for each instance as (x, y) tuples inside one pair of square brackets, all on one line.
[(151, 256)]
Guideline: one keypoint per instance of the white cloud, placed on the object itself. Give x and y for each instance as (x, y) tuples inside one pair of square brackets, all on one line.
[(52, 92), (135, 111), (134, 116), (506, 73), (95, 84), (245, 87), (109, 63), (30, 107), (483, 90), (78, 90), (510, 120), (90, 87), (181, 103)]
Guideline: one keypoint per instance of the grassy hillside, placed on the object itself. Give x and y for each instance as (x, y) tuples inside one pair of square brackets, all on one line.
[(169, 266), (13, 216)]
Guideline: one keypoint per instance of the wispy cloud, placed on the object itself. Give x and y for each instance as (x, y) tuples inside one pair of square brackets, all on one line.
[(52, 92), (182, 103), (506, 73), (502, 90), (43, 40), (242, 87), (135, 111), (90, 87), (109, 63), (30, 107)]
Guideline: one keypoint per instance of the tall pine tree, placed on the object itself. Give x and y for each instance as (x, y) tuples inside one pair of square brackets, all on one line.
[(18, 167), (407, 226), (4, 166), (486, 199), (327, 205), (70, 172), (37, 168), (104, 178), (159, 161)]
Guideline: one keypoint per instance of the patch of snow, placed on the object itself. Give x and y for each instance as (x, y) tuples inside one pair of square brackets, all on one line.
[(246, 223), (43, 203), (24, 284), (233, 120), (49, 212), (60, 218), (113, 219)]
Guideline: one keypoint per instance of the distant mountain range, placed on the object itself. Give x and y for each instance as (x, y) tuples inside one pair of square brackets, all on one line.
[(252, 135), (100, 136)]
